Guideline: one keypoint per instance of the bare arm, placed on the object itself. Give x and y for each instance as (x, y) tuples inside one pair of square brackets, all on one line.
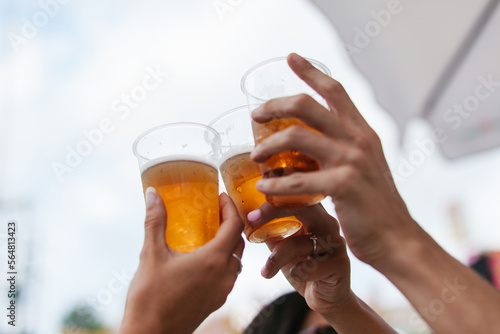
[(453, 299), (356, 316), (322, 274), (373, 216), (174, 292)]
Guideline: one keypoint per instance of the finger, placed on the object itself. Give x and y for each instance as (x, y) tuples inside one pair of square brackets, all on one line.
[(332, 182), (298, 249), (327, 267), (300, 106), (315, 218), (229, 234), (240, 247), (296, 138), (319, 222), (284, 252), (267, 212), (155, 222), (235, 263), (330, 89)]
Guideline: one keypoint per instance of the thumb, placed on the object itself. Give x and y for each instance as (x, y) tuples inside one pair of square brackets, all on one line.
[(155, 222)]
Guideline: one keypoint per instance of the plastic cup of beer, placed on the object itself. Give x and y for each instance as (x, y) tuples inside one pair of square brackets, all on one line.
[(269, 80), (240, 174), (180, 161)]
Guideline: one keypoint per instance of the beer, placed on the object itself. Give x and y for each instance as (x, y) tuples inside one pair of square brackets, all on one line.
[(190, 192), (240, 174), (271, 79), (286, 163)]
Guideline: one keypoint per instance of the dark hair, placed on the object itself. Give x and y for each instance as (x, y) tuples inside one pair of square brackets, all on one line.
[(284, 315), (482, 268)]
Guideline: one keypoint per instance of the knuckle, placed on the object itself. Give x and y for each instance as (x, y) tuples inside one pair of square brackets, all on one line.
[(267, 111), (357, 158), (301, 101), (292, 133), (332, 87), (296, 181), (260, 149), (350, 174), (268, 105), (363, 141), (346, 177)]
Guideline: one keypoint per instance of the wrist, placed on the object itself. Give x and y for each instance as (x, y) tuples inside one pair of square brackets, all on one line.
[(342, 315), (144, 320), (408, 256), (354, 316), (136, 322), (139, 327), (402, 250), (335, 310)]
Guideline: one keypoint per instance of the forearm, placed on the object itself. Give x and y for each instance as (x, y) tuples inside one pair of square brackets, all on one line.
[(151, 328), (141, 327), (135, 323), (354, 316), (449, 296)]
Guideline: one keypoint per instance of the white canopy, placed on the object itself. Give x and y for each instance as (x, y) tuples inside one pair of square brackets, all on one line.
[(434, 59)]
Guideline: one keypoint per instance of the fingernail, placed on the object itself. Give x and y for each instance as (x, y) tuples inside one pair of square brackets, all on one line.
[(295, 58), (257, 148), (150, 197), (256, 111), (260, 184), (254, 215)]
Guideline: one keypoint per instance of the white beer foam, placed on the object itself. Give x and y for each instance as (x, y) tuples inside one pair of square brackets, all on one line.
[(178, 157), (234, 151)]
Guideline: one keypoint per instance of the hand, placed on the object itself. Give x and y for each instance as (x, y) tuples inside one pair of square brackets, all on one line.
[(174, 292), (375, 221), (321, 277), (353, 170)]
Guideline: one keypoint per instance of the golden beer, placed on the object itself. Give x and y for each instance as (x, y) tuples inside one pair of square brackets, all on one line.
[(190, 191), (240, 174), (286, 163)]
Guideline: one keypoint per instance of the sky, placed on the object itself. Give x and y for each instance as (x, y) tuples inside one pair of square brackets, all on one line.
[(79, 78)]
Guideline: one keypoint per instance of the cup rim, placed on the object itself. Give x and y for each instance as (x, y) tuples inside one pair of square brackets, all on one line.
[(315, 62), (231, 111), (172, 125)]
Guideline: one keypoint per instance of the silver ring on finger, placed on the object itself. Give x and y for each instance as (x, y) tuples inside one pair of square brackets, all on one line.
[(240, 268), (314, 239)]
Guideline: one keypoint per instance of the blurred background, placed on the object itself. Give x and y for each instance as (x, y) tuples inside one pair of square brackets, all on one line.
[(80, 80)]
